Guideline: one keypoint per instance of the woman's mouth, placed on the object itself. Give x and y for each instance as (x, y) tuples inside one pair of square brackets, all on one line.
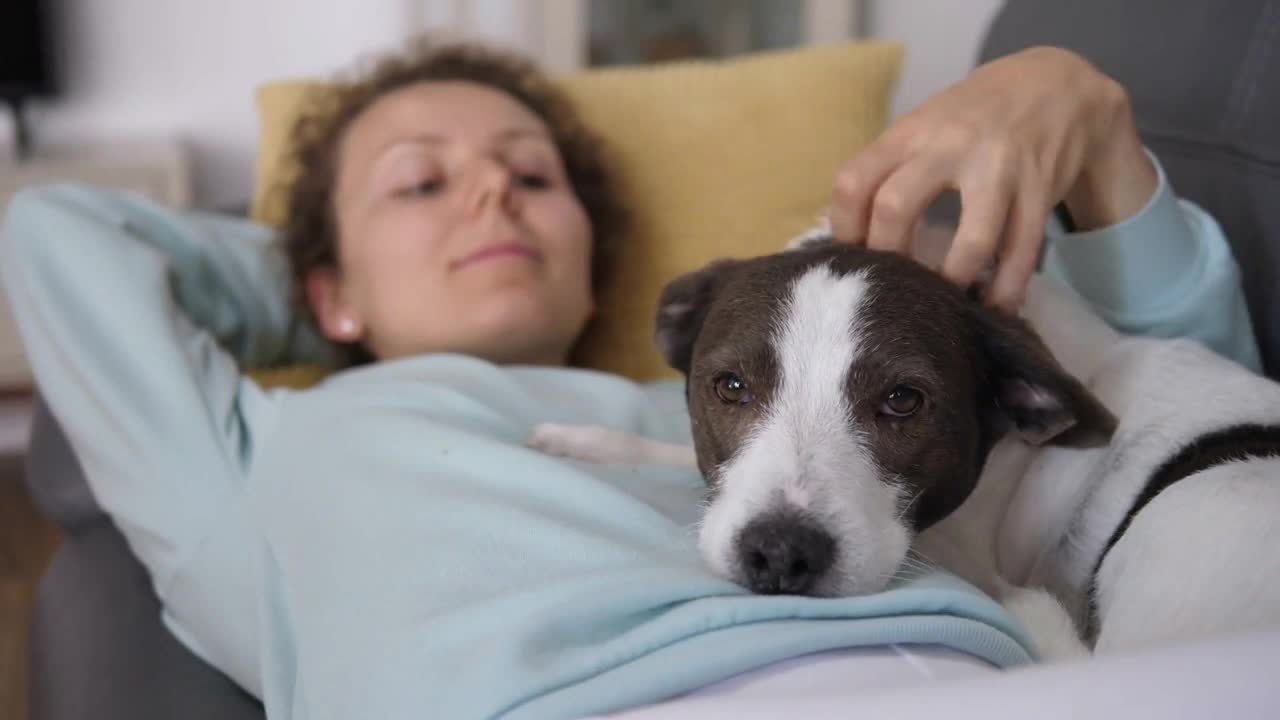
[(498, 251)]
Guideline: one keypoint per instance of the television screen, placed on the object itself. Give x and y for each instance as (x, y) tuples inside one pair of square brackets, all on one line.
[(26, 67)]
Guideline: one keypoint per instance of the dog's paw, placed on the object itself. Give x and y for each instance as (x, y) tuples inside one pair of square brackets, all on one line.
[(1047, 622), (592, 443), (552, 439), (576, 442)]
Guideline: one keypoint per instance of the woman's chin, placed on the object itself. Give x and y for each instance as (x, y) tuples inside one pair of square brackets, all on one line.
[(523, 330)]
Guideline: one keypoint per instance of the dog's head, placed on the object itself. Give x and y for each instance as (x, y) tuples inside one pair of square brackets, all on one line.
[(842, 400)]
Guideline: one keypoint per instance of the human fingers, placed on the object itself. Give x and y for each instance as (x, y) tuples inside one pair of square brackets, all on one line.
[(902, 199), (1024, 234), (984, 207), (855, 186)]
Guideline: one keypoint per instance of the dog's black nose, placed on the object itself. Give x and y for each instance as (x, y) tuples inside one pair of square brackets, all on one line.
[(784, 553)]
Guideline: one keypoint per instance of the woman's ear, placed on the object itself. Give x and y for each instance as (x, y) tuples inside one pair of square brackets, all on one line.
[(338, 321)]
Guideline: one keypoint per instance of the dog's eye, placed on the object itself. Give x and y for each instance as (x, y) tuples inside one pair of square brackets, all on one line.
[(732, 389), (902, 401)]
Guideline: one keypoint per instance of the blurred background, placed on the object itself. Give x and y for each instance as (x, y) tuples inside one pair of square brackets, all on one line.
[(156, 96), (158, 93)]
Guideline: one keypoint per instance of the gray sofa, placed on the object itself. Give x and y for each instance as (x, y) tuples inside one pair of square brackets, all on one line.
[(1205, 81)]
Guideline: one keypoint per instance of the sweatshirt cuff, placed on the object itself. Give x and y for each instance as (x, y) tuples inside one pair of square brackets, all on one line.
[(1143, 262)]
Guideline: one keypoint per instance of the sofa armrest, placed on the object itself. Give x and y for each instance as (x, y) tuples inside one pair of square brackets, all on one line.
[(54, 478)]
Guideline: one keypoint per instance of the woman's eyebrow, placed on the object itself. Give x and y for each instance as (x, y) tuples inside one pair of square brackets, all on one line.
[(504, 137), (512, 134), (417, 139)]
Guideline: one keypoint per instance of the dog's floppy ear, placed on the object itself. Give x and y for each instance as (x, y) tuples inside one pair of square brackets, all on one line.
[(682, 307), (1044, 403)]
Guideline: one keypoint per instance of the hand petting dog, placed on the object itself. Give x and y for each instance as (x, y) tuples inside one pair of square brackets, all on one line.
[(1015, 138)]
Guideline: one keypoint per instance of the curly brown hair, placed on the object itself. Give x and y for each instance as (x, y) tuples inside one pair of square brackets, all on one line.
[(310, 231)]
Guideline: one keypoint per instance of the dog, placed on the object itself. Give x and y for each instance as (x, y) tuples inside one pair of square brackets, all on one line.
[(852, 408), (842, 402)]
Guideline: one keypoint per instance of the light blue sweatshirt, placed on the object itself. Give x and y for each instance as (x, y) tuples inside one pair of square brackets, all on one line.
[(1167, 271), (383, 545)]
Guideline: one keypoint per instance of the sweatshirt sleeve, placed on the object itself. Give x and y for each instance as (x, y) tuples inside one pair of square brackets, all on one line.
[(1167, 271), (136, 320)]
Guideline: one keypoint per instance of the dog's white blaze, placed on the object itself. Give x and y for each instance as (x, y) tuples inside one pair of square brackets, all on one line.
[(805, 453)]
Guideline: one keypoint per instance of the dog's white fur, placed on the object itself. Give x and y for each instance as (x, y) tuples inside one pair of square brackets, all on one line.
[(1041, 516), (1204, 556), (1158, 584)]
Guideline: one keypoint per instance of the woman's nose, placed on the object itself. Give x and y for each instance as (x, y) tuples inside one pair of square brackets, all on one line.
[(490, 185)]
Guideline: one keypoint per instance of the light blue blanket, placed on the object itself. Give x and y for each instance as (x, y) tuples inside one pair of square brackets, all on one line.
[(425, 564)]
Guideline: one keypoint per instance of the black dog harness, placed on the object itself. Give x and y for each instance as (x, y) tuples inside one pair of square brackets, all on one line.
[(1238, 442)]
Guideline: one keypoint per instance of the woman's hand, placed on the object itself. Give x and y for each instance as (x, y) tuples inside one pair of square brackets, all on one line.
[(1015, 138)]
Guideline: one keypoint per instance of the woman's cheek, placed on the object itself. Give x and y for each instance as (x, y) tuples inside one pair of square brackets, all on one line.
[(413, 234), (576, 223)]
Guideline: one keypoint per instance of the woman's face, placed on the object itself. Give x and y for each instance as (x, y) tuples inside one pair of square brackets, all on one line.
[(458, 231)]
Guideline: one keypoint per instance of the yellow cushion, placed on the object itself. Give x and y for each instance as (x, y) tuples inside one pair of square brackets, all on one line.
[(716, 159), (297, 377)]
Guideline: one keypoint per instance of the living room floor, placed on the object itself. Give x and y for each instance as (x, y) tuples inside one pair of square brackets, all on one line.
[(27, 541)]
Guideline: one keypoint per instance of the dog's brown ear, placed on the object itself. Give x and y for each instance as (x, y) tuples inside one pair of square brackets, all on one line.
[(1044, 403), (682, 307)]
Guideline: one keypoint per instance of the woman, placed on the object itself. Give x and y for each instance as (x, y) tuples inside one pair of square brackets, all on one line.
[(383, 544)]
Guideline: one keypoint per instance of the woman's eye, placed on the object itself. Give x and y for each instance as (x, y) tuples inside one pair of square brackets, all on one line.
[(533, 181), (423, 187), (902, 401), (731, 389)]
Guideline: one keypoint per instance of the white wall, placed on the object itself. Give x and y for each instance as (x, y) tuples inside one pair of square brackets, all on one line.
[(189, 67), (942, 39)]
